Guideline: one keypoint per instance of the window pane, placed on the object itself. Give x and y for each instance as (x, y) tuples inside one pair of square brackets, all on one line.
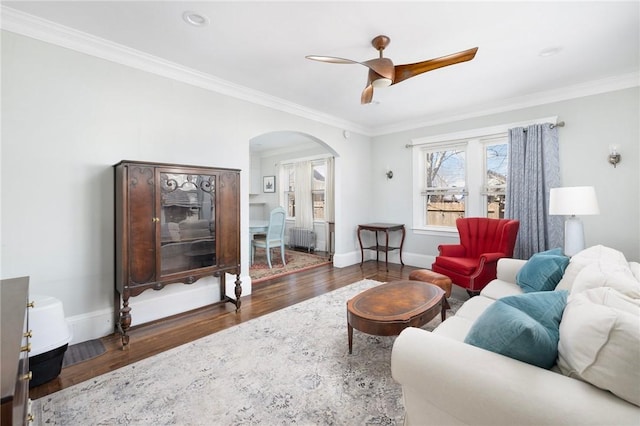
[(291, 181), (445, 169), (444, 210), (445, 187), (318, 205), (319, 173), (291, 204), (495, 206), (496, 160)]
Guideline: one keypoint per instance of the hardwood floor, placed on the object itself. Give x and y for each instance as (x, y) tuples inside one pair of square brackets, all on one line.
[(269, 296)]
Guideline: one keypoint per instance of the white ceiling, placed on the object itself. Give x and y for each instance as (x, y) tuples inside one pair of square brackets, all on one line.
[(262, 46)]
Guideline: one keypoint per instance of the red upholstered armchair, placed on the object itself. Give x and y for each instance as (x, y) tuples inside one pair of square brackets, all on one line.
[(472, 263)]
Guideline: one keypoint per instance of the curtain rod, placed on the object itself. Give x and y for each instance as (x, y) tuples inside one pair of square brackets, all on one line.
[(551, 126)]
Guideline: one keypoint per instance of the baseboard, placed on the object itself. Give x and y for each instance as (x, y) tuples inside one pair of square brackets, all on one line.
[(410, 259), (418, 260), (346, 259), (151, 305)]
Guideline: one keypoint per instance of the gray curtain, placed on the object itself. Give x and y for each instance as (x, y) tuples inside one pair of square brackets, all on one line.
[(534, 168)]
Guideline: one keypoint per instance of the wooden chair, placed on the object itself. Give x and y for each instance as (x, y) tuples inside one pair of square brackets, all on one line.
[(275, 235)]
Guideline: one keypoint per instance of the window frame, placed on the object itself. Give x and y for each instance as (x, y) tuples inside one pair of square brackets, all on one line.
[(284, 194), (453, 146), (476, 141), (486, 189)]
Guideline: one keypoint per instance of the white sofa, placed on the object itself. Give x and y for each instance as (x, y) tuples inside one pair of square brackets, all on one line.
[(448, 382)]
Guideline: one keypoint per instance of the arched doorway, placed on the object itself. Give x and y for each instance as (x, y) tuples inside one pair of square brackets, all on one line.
[(273, 156)]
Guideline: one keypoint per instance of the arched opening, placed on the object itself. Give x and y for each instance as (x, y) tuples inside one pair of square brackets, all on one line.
[(275, 160)]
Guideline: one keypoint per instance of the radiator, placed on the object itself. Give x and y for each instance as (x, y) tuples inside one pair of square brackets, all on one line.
[(301, 237)]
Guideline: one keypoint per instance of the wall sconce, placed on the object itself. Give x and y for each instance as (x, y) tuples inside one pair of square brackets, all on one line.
[(388, 173), (614, 155)]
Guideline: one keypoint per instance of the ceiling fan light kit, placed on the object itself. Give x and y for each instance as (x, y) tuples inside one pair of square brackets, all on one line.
[(381, 82), (382, 72)]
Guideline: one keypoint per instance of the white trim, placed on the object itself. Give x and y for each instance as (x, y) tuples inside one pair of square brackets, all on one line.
[(311, 158), (60, 35), (31, 26), (595, 87), (99, 323), (482, 133), (439, 231)]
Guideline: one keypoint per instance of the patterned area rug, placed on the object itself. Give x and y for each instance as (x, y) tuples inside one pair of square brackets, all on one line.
[(296, 261), (288, 367)]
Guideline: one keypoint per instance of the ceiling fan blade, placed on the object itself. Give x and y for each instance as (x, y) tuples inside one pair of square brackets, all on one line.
[(367, 94), (331, 59), (403, 72)]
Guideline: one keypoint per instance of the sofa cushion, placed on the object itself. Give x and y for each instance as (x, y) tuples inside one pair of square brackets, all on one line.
[(589, 256), (499, 288), (635, 269), (523, 327), (474, 307), (543, 271), (455, 328), (618, 277), (600, 341)]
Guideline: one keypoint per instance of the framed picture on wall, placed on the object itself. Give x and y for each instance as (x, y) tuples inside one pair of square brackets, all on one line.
[(269, 184)]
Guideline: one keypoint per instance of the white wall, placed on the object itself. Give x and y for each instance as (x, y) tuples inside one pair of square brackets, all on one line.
[(67, 117), (592, 124)]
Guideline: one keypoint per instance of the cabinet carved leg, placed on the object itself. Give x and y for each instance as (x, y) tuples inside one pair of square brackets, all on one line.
[(238, 291), (125, 320)]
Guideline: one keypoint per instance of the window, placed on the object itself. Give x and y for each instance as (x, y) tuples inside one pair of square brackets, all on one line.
[(319, 173), (289, 179), (495, 183), (461, 174), (459, 179), (445, 185), (318, 187)]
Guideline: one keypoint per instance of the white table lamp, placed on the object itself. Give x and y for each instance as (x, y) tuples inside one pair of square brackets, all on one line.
[(572, 201)]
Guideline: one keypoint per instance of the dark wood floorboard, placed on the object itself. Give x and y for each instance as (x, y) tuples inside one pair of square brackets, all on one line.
[(269, 296)]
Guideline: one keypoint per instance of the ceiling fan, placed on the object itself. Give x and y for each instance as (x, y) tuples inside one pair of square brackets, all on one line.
[(383, 73)]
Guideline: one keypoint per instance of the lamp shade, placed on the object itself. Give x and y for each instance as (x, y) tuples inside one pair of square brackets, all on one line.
[(573, 200)]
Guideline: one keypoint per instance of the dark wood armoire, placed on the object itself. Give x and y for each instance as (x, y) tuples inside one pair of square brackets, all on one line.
[(173, 224)]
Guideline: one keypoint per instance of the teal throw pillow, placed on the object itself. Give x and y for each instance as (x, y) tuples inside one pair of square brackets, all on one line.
[(524, 327), (543, 271)]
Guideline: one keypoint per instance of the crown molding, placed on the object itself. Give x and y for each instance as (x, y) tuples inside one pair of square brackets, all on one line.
[(28, 25), (31, 26), (596, 87)]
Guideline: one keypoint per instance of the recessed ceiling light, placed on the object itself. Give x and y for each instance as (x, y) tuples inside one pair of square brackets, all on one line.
[(196, 19), (550, 51)]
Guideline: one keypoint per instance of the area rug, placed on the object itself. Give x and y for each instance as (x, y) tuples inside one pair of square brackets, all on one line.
[(296, 261), (288, 367)]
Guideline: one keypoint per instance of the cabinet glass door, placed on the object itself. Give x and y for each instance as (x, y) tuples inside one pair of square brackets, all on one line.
[(187, 222)]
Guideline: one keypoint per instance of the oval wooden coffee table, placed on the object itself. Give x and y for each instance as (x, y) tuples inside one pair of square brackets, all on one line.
[(387, 309)]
